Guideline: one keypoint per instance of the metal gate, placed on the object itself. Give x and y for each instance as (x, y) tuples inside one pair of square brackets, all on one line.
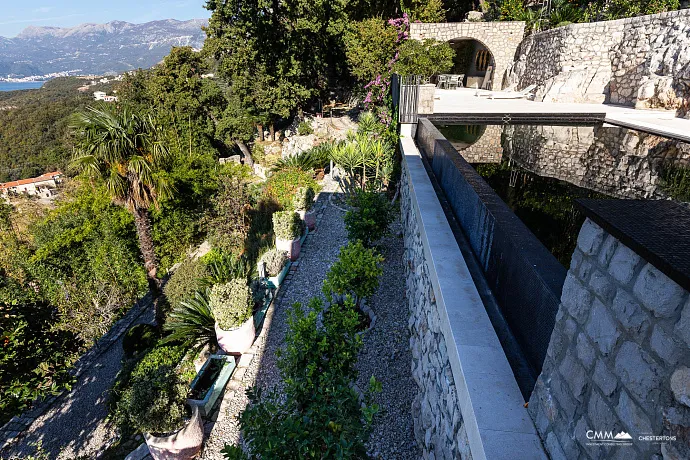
[(406, 96)]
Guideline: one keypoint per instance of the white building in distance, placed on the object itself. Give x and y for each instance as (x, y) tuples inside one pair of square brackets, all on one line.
[(44, 185)]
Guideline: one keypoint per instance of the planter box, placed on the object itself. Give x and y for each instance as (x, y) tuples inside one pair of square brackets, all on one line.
[(261, 313), (206, 404), (276, 281)]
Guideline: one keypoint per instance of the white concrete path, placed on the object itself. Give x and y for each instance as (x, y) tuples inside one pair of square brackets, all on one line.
[(660, 122)]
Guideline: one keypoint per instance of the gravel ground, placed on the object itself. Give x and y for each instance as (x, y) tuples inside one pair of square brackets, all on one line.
[(386, 355), (76, 425)]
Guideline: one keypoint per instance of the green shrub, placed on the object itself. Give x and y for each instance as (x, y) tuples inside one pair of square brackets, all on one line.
[(192, 323), (231, 303), (227, 221), (304, 199), (369, 220), (258, 153), (139, 338), (275, 261), (304, 128), (355, 273), (185, 280), (287, 225), (282, 185), (318, 414), (154, 402), (225, 268), (426, 58)]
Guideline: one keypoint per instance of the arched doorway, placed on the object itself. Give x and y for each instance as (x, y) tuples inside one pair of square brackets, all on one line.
[(473, 59)]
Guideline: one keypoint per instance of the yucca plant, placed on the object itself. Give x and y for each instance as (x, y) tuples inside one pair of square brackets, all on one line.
[(368, 123), (192, 322)]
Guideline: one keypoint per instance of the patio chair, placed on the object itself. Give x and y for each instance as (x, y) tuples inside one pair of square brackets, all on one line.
[(442, 81), (453, 82)]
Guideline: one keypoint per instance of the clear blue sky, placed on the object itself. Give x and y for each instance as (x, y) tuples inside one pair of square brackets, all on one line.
[(15, 15)]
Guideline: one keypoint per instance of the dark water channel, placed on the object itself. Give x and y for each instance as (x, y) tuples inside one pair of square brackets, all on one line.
[(539, 171)]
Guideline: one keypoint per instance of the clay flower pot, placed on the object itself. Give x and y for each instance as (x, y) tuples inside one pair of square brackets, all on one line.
[(238, 340), (292, 247), (184, 444)]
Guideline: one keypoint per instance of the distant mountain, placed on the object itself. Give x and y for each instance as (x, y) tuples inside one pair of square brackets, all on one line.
[(95, 48)]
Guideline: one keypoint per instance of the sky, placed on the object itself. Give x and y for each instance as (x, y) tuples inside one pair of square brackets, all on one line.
[(15, 15)]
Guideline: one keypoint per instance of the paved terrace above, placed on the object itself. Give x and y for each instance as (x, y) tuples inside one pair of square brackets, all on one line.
[(463, 105)]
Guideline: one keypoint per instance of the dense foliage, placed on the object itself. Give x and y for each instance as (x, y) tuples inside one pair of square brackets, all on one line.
[(287, 225), (282, 185), (370, 217), (318, 414), (155, 400), (275, 261), (231, 303), (356, 273)]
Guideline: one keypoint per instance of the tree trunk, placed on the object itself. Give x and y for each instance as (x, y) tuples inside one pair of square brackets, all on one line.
[(142, 222), (248, 160), (260, 128), (272, 130)]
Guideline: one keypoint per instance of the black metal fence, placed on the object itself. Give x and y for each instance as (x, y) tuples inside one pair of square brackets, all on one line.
[(405, 89)]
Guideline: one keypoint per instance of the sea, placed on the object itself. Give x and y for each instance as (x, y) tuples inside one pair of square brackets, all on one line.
[(14, 86)]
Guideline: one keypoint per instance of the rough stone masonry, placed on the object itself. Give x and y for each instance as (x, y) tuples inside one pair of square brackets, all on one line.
[(438, 423), (641, 61), (618, 359)]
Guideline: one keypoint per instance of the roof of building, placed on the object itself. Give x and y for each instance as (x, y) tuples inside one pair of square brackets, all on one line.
[(33, 180)]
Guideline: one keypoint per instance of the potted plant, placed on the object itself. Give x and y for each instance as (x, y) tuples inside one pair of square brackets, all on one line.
[(155, 404), (304, 203), (287, 227), (231, 304), (276, 264)]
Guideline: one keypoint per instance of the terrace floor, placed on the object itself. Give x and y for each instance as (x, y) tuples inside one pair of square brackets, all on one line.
[(464, 102)]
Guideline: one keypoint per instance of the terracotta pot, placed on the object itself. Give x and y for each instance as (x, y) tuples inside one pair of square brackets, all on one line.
[(292, 247), (181, 445), (237, 340)]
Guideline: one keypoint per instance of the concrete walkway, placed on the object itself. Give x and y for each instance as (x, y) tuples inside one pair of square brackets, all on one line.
[(463, 101)]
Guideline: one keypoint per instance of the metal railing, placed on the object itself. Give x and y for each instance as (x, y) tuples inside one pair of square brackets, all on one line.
[(405, 89)]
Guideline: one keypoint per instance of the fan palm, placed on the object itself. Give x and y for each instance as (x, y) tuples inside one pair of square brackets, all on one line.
[(123, 148)]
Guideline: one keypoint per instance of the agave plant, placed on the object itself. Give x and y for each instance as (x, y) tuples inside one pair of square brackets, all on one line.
[(315, 158), (192, 322)]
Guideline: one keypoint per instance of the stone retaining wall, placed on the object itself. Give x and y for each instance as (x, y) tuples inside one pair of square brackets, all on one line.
[(618, 358), (438, 423), (642, 61)]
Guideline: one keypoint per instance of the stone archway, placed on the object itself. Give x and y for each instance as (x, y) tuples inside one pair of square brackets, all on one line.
[(500, 38)]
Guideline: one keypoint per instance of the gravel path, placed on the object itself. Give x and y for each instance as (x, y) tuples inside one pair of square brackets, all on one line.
[(76, 425), (321, 250), (386, 355)]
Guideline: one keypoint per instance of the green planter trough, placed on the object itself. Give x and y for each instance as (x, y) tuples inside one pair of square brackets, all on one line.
[(210, 382)]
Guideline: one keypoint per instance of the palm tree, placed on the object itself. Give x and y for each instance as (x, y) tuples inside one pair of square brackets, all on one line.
[(124, 149)]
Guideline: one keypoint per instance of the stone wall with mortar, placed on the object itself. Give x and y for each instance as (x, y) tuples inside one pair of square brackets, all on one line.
[(642, 61), (486, 149), (501, 38), (438, 423), (619, 162), (618, 359)]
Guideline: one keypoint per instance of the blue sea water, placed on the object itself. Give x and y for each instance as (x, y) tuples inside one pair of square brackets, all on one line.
[(14, 86)]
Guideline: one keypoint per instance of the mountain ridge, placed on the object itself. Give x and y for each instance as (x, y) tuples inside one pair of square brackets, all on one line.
[(92, 48)]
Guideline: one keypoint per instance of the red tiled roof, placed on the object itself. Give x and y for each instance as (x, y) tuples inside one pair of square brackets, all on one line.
[(33, 180)]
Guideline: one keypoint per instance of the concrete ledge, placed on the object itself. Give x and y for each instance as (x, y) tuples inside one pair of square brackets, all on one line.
[(497, 424)]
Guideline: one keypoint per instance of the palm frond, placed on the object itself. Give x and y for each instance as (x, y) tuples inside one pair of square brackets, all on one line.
[(192, 322)]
